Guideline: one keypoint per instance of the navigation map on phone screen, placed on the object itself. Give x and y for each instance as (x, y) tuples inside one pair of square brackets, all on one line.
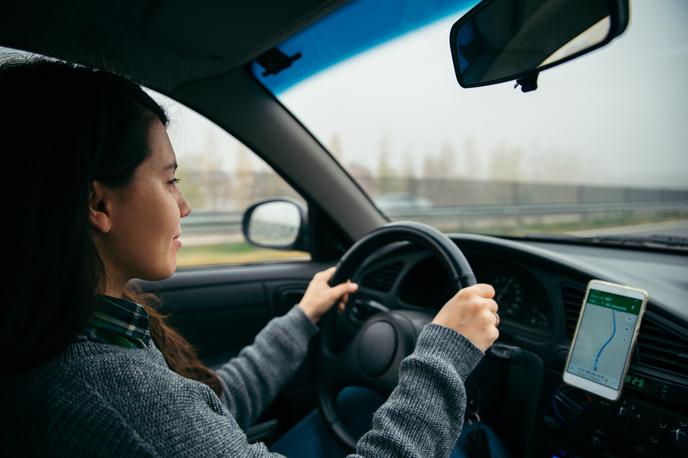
[(604, 338)]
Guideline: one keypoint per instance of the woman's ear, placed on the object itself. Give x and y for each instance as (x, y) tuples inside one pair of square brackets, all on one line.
[(99, 207)]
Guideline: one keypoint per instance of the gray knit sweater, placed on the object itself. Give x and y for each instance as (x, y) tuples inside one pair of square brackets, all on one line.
[(102, 400)]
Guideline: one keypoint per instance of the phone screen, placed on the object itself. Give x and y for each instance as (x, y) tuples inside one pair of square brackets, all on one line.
[(604, 338)]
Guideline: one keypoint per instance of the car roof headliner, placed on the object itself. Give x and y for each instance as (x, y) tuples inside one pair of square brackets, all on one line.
[(158, 43)]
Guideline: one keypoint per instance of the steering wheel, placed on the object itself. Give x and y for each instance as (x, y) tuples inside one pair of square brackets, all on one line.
[(372, 357)]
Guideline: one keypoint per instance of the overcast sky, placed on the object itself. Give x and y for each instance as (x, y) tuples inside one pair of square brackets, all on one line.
[(617, 116)]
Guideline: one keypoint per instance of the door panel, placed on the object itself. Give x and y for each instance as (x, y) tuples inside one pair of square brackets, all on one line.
[(221, 309), (218, 319)]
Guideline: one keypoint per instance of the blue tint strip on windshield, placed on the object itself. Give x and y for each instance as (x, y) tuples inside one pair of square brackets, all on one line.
[(354, 28)]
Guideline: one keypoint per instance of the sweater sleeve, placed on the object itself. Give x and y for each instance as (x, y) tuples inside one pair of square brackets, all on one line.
[(424, 414), (422, 417), (253, 378)]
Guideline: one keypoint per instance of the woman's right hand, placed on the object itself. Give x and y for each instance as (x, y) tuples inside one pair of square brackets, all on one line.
[(473, 313)]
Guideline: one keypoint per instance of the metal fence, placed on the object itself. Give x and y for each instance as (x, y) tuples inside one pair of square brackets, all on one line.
[(455, 205)]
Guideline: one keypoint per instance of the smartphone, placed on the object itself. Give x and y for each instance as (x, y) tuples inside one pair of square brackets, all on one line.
[(605, 337)]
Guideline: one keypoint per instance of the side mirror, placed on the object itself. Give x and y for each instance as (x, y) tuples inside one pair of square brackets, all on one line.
[(279, 224), (502, 40)]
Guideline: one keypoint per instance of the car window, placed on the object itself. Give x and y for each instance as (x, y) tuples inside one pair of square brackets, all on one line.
[(599, 148), (220, 177)]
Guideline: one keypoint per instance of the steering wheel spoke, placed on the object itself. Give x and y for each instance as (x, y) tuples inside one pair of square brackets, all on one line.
[(340, 369)]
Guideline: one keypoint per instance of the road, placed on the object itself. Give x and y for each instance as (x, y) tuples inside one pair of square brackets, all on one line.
[(675, 228)]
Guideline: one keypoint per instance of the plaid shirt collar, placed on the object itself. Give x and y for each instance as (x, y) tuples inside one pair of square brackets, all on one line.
[(119, 322)]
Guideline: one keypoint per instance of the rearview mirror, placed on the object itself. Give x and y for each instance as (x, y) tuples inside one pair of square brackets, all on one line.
[(502, 40)]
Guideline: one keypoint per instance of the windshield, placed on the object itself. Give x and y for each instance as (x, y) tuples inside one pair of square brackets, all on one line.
[(598, 149)]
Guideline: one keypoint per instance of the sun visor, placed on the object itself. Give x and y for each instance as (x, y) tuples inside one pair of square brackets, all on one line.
[(231, 32)]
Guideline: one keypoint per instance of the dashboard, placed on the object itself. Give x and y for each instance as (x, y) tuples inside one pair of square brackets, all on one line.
[(540, 288)]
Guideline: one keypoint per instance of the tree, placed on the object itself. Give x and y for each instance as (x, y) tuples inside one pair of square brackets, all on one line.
[(243, 192), (190, 183), (385, 169), (407, 166), (387, 175), (335, 148), (470, 167), (556, 166), (363, 176), (442, 165), (505, 164)]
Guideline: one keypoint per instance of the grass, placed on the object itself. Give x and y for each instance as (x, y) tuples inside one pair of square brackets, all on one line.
[(231, 253)]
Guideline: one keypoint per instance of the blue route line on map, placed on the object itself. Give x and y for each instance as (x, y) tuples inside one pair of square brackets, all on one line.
[(596, 363)]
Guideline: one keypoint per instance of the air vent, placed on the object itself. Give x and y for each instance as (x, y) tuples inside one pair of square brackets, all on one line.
[(572, 297), (383, 277), (662, 349)]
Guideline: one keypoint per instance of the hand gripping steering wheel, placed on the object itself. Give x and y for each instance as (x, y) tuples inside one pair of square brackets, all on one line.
[(371, 358)]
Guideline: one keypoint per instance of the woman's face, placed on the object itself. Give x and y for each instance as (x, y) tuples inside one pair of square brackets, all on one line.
[(146, 218)]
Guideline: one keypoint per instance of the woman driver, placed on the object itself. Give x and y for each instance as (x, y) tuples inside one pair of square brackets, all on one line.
[(89, 366)]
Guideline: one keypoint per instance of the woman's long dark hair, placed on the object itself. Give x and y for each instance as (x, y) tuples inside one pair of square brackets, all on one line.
[(64, 126)]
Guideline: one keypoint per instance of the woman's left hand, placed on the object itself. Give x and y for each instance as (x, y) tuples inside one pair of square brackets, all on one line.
[(320, 296)]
